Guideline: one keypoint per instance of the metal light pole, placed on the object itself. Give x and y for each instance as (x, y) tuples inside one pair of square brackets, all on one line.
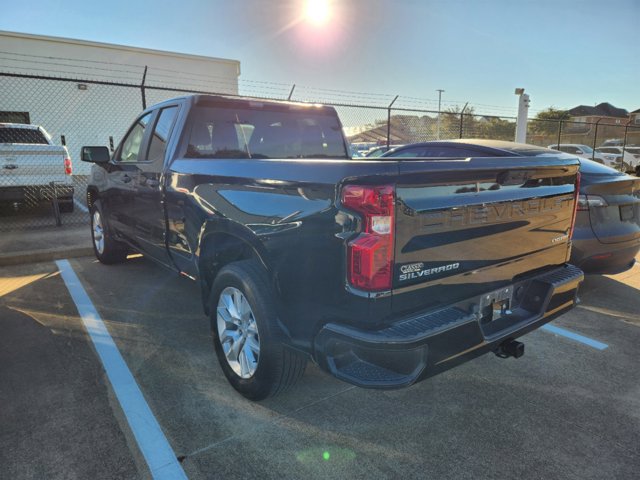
[(439, 102)]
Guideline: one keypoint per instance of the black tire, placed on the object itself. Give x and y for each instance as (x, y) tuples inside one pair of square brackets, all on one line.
[(110, 251), (278, 366)]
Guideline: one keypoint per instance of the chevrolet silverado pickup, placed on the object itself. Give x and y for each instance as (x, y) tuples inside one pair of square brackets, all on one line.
[(32, 168), (382, 271)]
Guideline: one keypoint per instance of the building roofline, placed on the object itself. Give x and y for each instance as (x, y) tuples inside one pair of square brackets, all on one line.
[(115, 46)]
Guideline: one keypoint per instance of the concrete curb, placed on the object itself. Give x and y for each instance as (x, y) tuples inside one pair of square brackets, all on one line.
[(44, 255)]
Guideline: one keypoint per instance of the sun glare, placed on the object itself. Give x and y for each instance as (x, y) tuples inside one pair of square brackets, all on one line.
[(317, 11)]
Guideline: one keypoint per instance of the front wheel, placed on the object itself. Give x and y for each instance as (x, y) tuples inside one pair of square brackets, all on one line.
[(247, 339), (107, 249)]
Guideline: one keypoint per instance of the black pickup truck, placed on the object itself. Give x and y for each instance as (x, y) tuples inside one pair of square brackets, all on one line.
[(383, 271)]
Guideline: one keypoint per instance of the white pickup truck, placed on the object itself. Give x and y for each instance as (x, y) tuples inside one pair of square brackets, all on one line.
[(32, 168)]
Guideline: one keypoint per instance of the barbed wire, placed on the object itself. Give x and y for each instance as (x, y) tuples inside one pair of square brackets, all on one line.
[(198, 81)]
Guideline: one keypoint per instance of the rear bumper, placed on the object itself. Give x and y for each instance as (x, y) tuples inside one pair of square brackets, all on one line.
[(595, 257), (32, 193), (413, 349)]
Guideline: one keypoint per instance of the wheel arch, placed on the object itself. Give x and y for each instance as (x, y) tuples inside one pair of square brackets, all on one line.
[(221, 247)]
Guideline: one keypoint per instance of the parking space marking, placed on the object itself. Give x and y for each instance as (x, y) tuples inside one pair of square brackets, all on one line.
[(153, 444), (81, 206), (575, 336)]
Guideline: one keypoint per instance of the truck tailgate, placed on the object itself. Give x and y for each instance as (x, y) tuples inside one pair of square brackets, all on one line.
[(27, 165), (477, 224)]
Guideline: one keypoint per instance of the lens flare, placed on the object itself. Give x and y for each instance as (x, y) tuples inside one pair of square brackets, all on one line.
[(317, 12)]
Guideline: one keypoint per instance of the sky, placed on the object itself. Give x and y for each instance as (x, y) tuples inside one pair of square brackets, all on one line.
[(563, 52)]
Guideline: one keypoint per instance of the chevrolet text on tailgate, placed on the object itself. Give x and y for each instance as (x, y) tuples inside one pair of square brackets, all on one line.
[(384, 272)]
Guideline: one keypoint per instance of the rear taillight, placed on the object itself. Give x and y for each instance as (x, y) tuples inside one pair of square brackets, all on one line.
[(585, 202), (576, 198), (370, 254), (68, 166)]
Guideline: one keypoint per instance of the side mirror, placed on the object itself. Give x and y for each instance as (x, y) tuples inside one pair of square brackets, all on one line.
[(95, 154)]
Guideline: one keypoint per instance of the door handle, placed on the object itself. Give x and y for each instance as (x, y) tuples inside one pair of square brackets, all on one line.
[(126, 178)]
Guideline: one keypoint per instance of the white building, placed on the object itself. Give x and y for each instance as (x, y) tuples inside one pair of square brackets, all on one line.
[(92, 91)]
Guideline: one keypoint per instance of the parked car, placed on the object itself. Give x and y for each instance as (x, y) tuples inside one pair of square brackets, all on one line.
[(635, 151), (384, 272), (378, 151), (627, 164), (359, 149), (32, 168), (583, 151), (613, 142), (606, 237)]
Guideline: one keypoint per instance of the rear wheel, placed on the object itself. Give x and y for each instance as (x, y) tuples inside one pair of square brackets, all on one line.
[(107, 249), (247, 339)]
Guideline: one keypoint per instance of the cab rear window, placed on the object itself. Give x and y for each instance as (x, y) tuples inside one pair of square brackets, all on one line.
[(22, 135), (237, 132)]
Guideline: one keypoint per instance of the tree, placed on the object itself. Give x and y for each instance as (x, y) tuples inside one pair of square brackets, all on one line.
[(450, 122), (547, 121), (496, 129)]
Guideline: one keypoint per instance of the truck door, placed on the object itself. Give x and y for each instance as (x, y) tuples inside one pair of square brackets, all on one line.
[(147, 214), (121, 174)]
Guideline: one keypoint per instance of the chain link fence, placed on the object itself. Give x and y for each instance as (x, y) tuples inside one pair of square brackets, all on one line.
[(43, 183)]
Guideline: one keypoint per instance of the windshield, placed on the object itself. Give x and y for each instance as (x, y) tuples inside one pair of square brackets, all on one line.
[(586, 149), (262, 132)]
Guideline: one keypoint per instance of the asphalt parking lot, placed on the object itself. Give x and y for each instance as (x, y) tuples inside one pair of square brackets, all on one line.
[(567, 409)]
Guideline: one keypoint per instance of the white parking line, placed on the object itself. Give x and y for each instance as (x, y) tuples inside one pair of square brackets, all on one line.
[(80, 205), (154, 446)]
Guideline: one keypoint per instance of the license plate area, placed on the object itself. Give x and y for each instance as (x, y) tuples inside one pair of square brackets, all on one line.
[(626, 212), (496, 305)]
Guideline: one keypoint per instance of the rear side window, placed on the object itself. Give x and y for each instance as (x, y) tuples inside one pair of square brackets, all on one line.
[(409, 152), (244, 132), (569, 149), (161, 133), (22, 135), (435, 151)]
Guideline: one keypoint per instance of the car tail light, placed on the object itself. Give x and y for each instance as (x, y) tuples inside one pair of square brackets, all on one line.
[(576, 197), (68, 166), (370, 255), (585, 202)]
